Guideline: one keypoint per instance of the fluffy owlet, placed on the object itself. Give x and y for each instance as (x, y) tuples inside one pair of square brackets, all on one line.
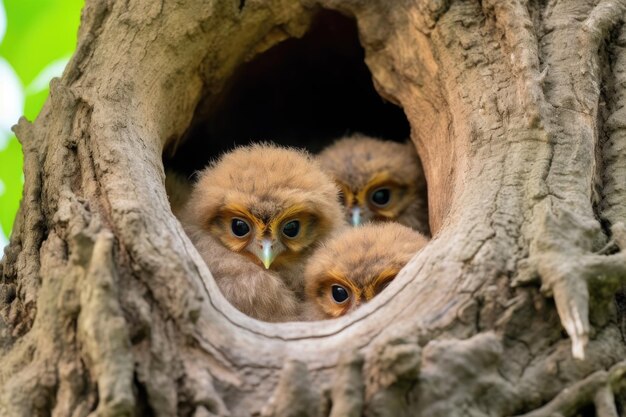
[(379, 180), (255, 215), (354, 266)]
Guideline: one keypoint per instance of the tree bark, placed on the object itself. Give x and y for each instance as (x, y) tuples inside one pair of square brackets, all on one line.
[(517, 109)]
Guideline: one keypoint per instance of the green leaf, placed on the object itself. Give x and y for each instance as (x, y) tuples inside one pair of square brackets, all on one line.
[(12, 180), (40, 34)]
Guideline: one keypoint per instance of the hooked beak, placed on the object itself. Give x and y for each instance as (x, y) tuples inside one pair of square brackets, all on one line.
[(356, 216), (267, 255), (266, 250)]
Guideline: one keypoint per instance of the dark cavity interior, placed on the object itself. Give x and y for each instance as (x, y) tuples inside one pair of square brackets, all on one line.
[(302, 92)]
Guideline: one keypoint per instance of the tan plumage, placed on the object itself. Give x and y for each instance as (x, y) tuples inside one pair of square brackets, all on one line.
[(363, 166), (362, 261), (268, 192)]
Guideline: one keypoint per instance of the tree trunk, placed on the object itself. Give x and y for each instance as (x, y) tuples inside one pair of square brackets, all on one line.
[(517, 109)]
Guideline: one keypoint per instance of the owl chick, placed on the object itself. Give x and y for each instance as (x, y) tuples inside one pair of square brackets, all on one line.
[(354, 266), (379, 180), (255, 216)]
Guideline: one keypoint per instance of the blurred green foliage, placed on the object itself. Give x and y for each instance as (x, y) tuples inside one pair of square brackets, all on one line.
[(39, 39)]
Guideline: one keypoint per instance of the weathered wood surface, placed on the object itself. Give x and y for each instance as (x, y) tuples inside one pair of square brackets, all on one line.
[(517, 110)]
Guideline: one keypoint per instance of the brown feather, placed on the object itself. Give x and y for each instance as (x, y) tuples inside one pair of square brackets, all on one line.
[(266, 186), (251, 289), (361, 164), (362, 260)]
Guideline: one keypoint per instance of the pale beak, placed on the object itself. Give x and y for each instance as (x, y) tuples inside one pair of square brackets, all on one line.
[(356, 216), (267, 255), (266, 250)]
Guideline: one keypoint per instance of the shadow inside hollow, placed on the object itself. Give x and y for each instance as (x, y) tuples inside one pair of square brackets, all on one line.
[(302, 92)]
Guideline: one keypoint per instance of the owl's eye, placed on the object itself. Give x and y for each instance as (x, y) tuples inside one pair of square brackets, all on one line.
[(239, 227), (291, 229), (340, 294), (381, 196)]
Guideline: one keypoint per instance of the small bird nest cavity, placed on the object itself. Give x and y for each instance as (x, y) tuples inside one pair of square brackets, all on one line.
[(275, 225), (302, 92)]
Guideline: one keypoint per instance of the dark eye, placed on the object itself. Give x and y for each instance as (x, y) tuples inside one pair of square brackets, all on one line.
[(239, 227), (381, 196), (340, 294), (292, 228)]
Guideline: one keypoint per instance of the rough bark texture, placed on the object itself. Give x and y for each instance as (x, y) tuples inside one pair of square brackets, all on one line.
[(518, 110)]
